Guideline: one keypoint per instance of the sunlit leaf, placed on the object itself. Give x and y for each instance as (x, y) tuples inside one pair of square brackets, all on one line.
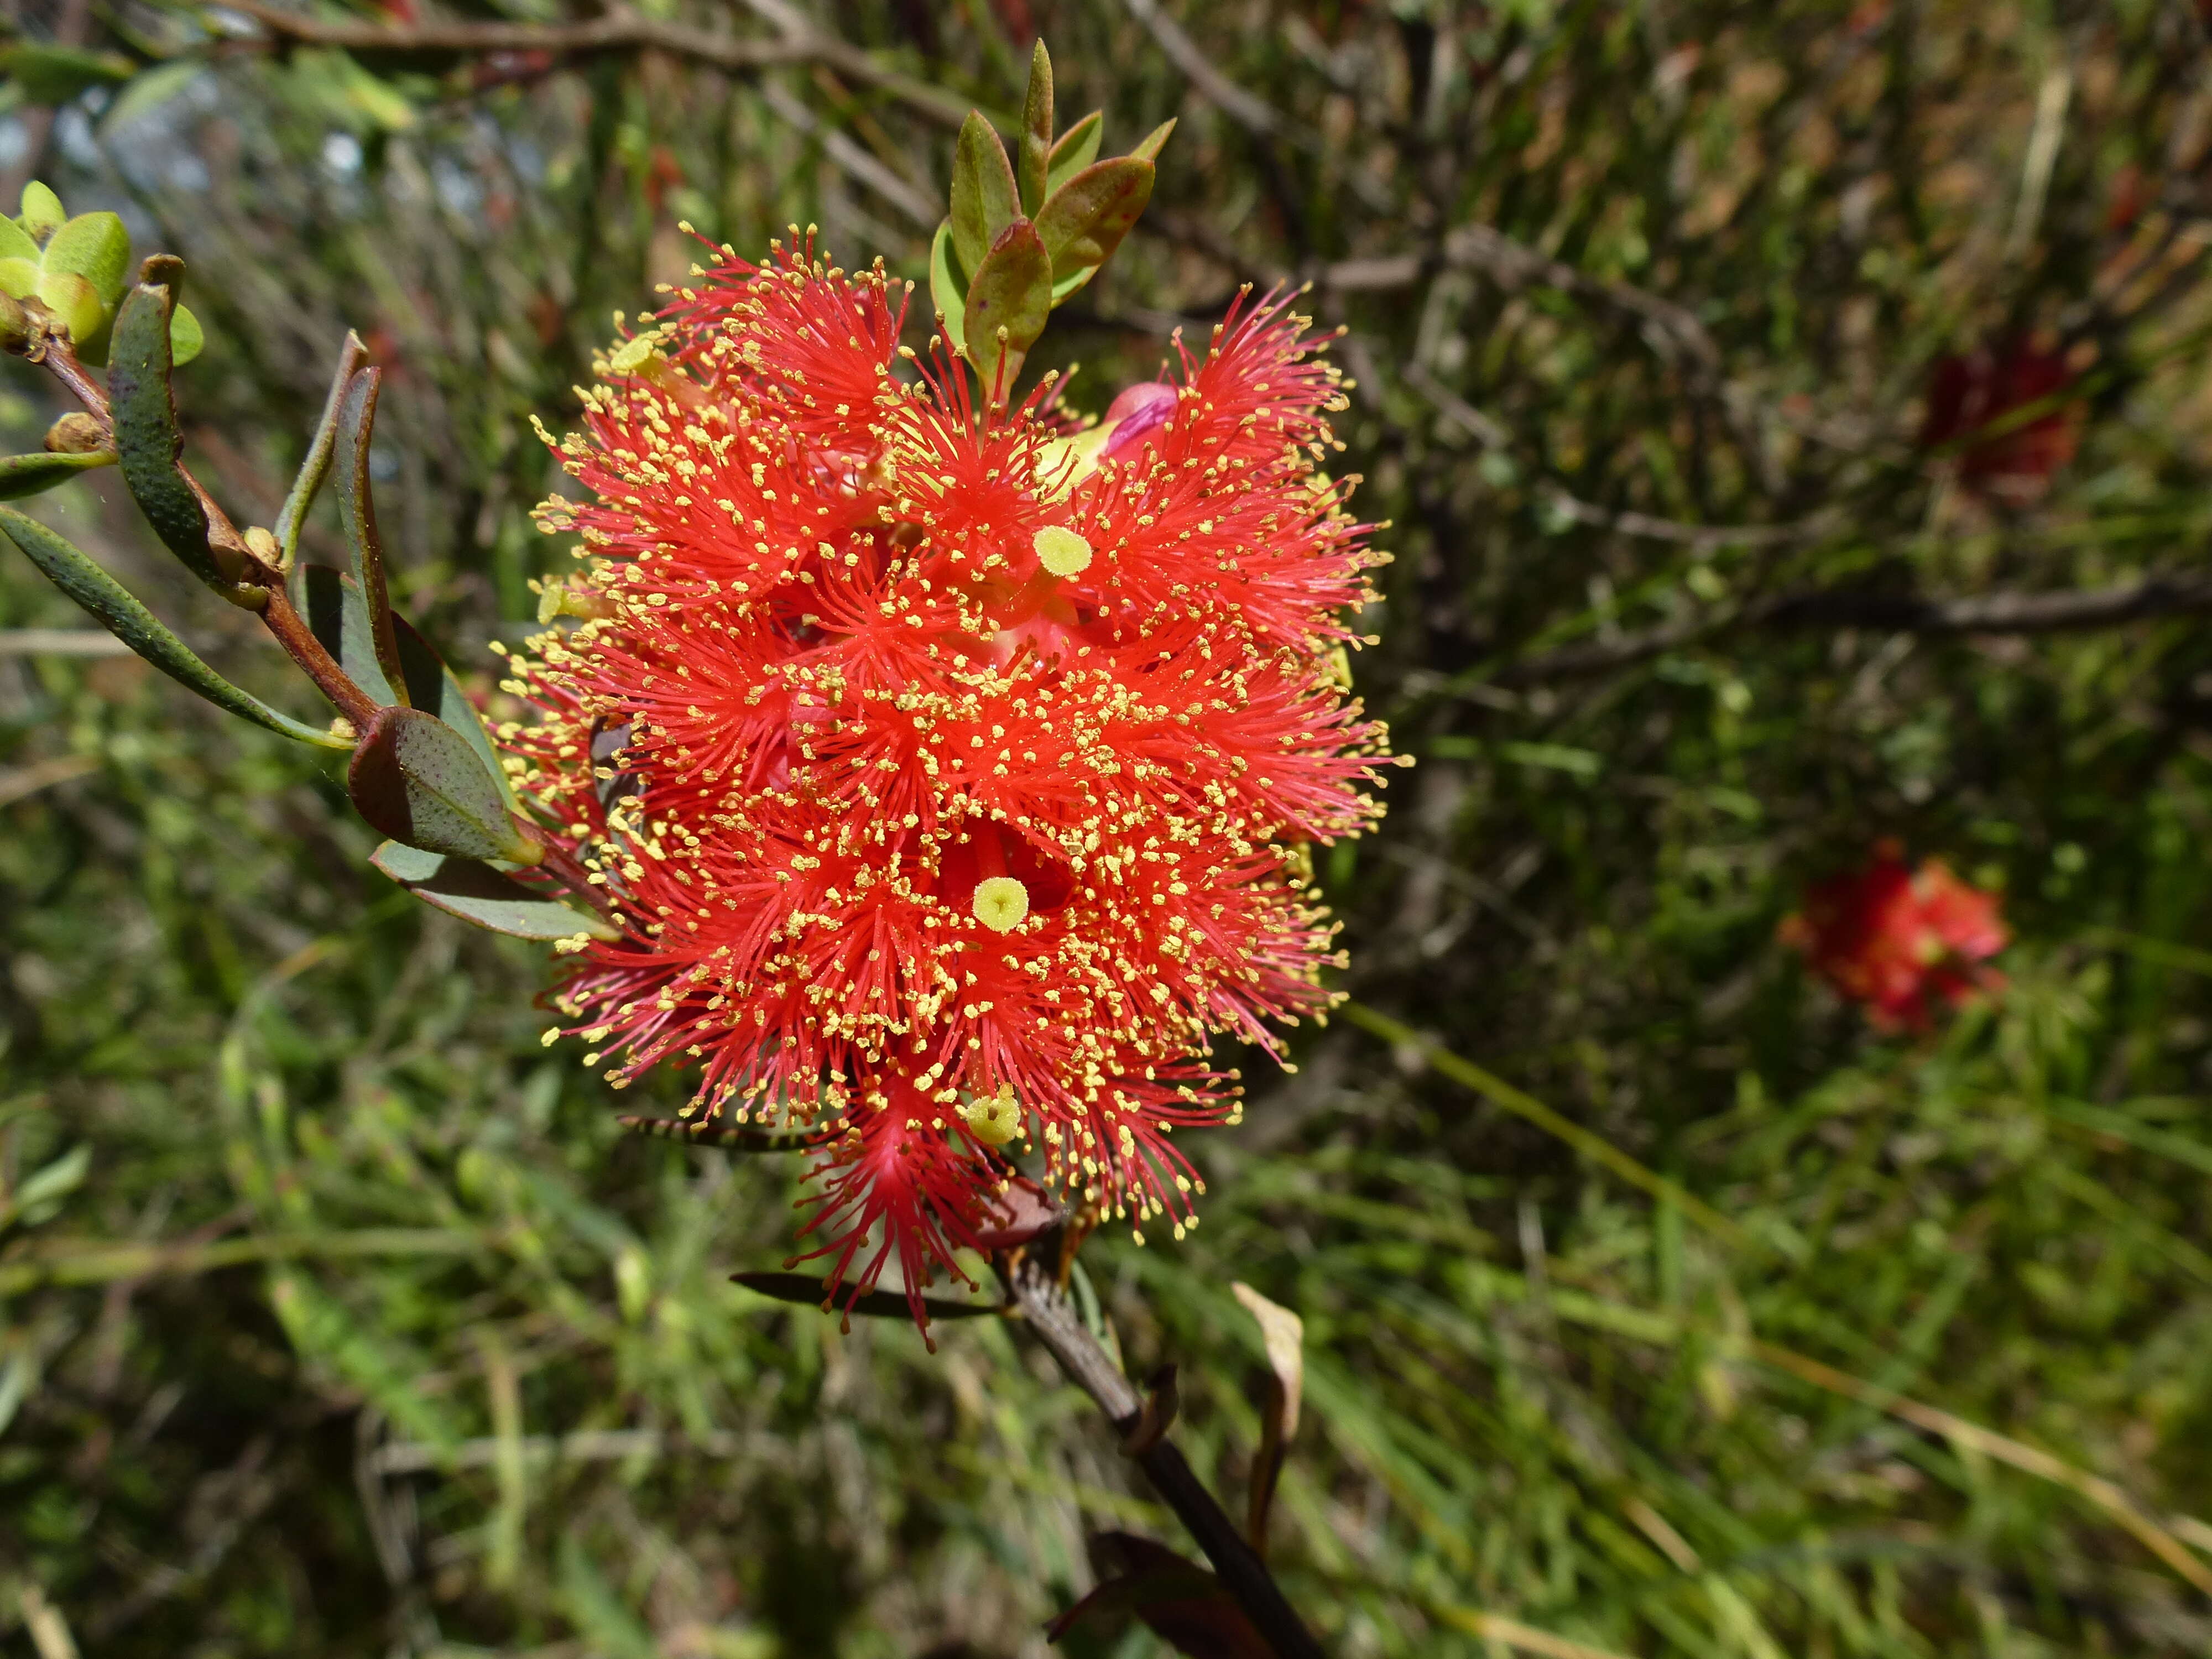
[(984, 199), (1008, 304), (28, 475), (477, 893), (417, 780)]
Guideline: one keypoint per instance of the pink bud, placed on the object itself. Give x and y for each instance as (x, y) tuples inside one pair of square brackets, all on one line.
[(1139, 411)]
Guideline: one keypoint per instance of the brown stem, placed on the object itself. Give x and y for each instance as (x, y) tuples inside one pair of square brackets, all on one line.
[(619, 32), (1053, 1321), (299, 644)]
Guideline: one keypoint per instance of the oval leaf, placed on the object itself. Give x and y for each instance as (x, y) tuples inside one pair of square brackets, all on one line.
[(984, 199), (1076, 149), (95, 246), (1012, 291), (336, 615), (187, 341), (76, 305), (948, 288), (417, 780), (1088, 216), (76, 575), (875, 1304), (477, 893), (147, 440), (43, 213), (26, 475), (16, 243)]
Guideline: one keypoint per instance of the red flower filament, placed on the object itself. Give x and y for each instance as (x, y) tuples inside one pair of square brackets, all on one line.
[(951, 774)]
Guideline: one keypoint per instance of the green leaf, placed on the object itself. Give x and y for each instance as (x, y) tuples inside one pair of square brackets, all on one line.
[(76, 305), (16, 243), (1155, 142), (876, 1304), (19, 277), (983, 194), (417, 780), (948, 289), (148, 92), (357, 517), (76, 575), (28, 475), (1088, 216), (1013, 292), (477, 893), (54, 74), (337, 616), (315, 466), (1036, 132), (187, 340), (1076, 149), (95, 246), (43, 213), (146, 436)]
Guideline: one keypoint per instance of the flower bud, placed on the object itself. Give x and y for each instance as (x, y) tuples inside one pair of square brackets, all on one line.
[(75, 434)]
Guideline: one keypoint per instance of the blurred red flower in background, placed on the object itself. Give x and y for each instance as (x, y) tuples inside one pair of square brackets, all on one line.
[(1903, 942), (1969, 396)]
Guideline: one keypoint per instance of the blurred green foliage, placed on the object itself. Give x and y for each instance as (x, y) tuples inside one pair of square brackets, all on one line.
[(336, 1317)]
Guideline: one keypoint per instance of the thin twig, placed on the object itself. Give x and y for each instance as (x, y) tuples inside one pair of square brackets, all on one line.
[(2059, 611), (1048, 1314), (619, 32)]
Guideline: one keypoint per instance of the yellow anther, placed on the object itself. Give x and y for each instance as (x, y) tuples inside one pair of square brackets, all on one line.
[(996, 1121), (1000, 903), (1062, 551)]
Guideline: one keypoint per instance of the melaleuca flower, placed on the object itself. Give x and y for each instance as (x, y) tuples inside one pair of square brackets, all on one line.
[(951, 775), (1979, 402), (1901, 941)]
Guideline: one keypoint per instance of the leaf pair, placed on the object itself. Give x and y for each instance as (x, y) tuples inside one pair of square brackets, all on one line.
[(77, 268), (1019, 243)]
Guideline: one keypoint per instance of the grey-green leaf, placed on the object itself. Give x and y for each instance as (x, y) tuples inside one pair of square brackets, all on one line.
[(948, 288), (477, 893), (1035, 143), (1011, 291), (1076, 149), (26, 475), (147, 440), (76, 575), (417, 780), (984, 199), (316, 465), (337, 616), (1088, 216), (357, 517)]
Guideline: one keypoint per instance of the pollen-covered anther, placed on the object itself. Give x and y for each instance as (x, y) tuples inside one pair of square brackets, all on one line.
[(1061, 552), (1000, 903), (995, 1119)]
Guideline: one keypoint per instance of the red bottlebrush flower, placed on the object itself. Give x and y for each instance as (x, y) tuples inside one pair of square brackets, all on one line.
[(952, 780), (1967, 396), (1901, 941)]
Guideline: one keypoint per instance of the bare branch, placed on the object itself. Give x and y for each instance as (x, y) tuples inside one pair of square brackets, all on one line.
[(2061, 611), (617, 33)]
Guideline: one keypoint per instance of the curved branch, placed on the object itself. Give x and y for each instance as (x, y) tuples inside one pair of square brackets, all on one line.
[(617, 33), (2060, 611)]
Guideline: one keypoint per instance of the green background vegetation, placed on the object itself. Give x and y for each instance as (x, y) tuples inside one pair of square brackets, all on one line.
[(337, 1317)]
